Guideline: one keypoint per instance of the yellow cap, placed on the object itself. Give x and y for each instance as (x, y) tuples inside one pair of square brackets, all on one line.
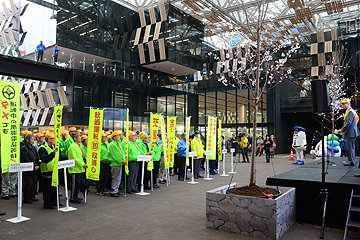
[(108, 136), (115, 133), (86, 132), (104, 134), (35, 131), (143, 135), (83, 137), (72, 129), (49, 135), (26, 133), (39, 135), (51, 130), (345, 100), (131, 133)]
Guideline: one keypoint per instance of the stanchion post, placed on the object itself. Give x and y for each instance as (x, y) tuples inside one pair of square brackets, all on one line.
[(65, 164), (232, 150), (151, 181), (192, 154), (224, 151), (19, 168), (143, 159), (207, 154)]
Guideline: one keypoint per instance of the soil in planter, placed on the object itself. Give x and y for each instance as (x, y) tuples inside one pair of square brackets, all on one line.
[(253, 191)]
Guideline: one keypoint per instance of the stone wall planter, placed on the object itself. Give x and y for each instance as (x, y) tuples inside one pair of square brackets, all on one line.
[(250, 216)]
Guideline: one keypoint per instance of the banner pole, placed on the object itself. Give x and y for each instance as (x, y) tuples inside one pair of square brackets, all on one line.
[(151, 181), (167, 180), (19, 213), (185, 172)]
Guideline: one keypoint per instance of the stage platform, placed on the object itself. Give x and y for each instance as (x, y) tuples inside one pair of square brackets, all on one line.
[(306, 179)]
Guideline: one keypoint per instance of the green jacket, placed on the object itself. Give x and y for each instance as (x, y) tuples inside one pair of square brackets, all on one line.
[(134, 151), (68, 143), (143, 148), (74, 152), (47, 167), (104, 153), (157, 152), (63, 151), (84, 149), (116, 155)]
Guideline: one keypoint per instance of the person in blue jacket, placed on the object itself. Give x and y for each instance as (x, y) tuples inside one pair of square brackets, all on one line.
[(182, 156), (56, 53), (40, 49)]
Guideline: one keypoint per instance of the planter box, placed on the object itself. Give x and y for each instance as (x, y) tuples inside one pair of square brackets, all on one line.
[(251, 216)]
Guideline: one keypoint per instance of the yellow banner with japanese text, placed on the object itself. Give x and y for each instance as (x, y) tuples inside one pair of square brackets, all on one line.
[(171, 125), (165, 143), (127, 143), (94, 144), (10, 124), (211, 137), (57, 132), (220, 147), (154, 129)]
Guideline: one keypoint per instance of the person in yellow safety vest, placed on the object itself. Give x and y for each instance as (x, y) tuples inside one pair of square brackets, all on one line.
[(104, 166), (116, 156), (197, 146), (245, 147), (75, 152), (133, 164), (46, 154)]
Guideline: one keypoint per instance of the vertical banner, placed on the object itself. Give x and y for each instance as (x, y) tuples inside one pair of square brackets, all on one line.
[(127, 143), (94, 144), (171, 125), (188, 119), (220, 147), (165, 143), (154, 128), (57, 132), (211, 137), (10, 123)]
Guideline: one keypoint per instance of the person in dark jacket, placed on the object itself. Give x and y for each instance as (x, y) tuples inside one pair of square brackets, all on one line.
[(28, 154), (234, 143), (267, 144)]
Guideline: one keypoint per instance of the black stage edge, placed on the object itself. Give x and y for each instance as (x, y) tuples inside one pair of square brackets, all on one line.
[(307, 181)]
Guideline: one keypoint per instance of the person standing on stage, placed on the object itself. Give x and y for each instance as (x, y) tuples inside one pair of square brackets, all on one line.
[(75, 152), (116, 156), (182, 152), (349, 130), (197, 146), (40, 51), (28, 154), (56, 51)]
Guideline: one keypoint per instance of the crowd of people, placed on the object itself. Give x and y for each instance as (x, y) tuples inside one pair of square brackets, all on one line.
[(243, 145), (38, 148)]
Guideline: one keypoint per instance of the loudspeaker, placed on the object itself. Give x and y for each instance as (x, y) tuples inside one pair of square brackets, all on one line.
[(320, 96)]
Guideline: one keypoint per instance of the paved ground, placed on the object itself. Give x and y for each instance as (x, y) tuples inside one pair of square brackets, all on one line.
[(174, 212)]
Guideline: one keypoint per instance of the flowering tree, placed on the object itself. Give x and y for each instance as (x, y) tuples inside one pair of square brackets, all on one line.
[(256, 66), (336, 89)]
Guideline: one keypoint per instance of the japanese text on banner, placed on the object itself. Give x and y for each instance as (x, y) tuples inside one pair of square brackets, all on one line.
[(154, 128), (171, 125), (10, 124), (219, 142), (127, 143), (188, 119), (57, 132), (165, 143), (94, 144), (211, 137)]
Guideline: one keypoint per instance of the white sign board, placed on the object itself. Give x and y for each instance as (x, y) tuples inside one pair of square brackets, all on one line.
[(224, 150), (192, 154), (21, 167), (232, 150), (144, 158), (66, 163), (208, 152)]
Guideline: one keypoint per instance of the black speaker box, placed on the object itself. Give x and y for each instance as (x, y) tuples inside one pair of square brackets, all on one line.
[(320, 96)]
